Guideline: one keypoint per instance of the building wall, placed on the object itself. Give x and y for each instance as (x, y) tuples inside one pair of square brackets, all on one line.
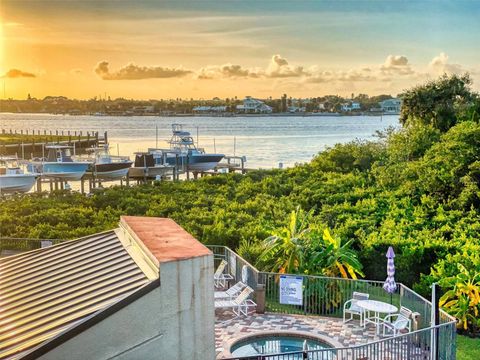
[(172, 322)]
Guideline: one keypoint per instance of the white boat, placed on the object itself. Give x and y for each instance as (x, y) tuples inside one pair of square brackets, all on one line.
[(108, 167), (145, 167), (59, 164), (184, 153), (13, 179)]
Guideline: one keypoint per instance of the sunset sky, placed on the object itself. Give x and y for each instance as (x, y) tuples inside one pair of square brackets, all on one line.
[(201, 49)]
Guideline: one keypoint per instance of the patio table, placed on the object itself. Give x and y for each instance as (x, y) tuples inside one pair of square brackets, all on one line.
[(377, 307)]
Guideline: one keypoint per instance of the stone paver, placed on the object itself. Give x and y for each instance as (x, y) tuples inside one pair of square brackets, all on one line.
[(228, 328)]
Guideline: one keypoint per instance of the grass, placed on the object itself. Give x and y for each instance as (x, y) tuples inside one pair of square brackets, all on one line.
[(468, 348)]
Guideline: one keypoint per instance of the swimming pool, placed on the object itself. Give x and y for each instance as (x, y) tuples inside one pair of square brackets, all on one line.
[(276, 344)]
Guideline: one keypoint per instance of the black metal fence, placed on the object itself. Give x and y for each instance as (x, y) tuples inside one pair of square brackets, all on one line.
[(9, 246), (325, 296)]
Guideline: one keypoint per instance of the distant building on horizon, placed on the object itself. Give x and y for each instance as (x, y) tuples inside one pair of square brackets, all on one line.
[(209, 109), (351, 106), (391, 106), (254, 106)]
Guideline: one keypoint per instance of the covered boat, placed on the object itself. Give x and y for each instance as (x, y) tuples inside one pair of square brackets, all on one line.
[(108, 167)]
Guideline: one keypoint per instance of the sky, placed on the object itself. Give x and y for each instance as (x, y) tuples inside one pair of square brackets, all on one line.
[(203, 49)]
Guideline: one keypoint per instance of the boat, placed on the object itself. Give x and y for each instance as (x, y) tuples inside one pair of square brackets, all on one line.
[(12, 177), (59, 164), (145, 167), (108, 167), (184, 153)]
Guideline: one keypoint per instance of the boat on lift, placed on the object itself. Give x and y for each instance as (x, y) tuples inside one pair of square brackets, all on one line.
[(108, 167), (13, 179), (145, 167), (59, 164), (184, 153)]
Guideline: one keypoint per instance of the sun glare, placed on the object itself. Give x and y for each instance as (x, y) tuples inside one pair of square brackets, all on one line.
[(1, 46)]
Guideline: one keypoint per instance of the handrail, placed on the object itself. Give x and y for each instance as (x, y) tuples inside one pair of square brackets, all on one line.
[(238, 256), (350, 348), (28, 239), (403, 294), (326, 277), (400, 285)]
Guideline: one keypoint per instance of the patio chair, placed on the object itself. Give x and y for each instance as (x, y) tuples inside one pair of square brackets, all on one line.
[(350, 307), (219, 278), (395, 323), (240, 304), (231, 292)]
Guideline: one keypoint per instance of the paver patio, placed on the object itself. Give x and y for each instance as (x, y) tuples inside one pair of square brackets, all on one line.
[(228, 329)]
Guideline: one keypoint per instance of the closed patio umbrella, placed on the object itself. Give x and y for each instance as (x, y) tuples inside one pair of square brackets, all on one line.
[(390, 285)]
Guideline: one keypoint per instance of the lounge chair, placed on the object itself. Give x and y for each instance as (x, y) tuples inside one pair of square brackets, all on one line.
[(219, 278), (240, 304), (395, 323), (350, 307), (230, 293)]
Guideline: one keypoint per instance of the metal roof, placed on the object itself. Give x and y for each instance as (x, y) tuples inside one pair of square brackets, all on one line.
[(47, 292)]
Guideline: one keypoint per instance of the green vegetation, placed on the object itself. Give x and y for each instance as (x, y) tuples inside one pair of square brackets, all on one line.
[(441, 103), (416, 188), (302, 247), (468, 348), (463, 297)]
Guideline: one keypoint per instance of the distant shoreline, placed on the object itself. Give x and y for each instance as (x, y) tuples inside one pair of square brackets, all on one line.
[(212, 115)]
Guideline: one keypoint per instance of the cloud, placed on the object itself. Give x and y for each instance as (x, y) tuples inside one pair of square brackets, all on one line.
[(16, 73), (228, 71), (135, 72), (76, 71), (439, 65), (280, 68), (396, 65), (351, 75), (12, 24)]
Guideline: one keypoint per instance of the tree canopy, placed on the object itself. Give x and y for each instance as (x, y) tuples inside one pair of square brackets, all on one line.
[(440, 103)]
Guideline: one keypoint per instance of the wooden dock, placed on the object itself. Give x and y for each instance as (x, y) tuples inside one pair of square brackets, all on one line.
[(36, 140), (230, 164)]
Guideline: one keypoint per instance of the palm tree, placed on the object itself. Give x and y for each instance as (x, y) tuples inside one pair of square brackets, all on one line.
[(285, 251)]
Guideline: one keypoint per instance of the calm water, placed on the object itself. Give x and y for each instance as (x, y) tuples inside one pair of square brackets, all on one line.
[(265, 141), (278, 344)]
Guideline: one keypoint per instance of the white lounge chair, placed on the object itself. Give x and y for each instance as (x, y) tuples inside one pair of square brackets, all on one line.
[(230, 293), (395, 323), (350, 307), (219, 278), (240, 304)]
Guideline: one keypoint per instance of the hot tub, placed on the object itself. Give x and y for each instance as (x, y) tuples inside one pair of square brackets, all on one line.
[(279, 342)]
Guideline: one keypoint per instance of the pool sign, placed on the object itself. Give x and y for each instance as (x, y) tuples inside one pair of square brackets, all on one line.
[(291, 290)]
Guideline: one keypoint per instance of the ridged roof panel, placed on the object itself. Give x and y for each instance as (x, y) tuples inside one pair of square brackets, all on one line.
[(48, 291)]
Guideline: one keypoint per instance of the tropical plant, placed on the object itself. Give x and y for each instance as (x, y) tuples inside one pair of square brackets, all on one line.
[(333, 257), (463, 298), (285, 251)]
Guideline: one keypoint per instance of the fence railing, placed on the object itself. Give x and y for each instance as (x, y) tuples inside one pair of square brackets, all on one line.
[(325, 296), (10, 245), (416, 345)]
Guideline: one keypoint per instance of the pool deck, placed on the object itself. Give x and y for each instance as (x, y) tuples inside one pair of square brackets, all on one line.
[(229, 329)]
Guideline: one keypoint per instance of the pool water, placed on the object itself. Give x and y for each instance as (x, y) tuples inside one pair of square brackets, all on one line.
[(274, 345)]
